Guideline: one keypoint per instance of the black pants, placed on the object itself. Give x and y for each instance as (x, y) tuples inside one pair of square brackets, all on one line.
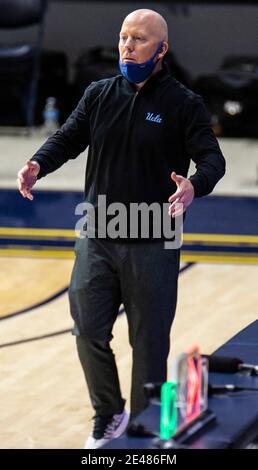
[(142, 276)]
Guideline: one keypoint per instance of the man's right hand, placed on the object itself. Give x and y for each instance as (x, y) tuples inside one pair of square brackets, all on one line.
[(27, 177)]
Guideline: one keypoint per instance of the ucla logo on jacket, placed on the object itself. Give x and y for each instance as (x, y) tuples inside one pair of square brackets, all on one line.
[(153, 117)]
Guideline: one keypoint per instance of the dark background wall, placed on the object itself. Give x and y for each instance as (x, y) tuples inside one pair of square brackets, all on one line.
[(200, 37)]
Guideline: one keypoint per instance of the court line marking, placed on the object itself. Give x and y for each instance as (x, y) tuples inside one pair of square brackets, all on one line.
[(67, 234), (35, 338), (187, 256), (32, 307), (218, 257), (56, 333)]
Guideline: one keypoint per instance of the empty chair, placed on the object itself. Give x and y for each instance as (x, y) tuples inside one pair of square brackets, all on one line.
[(21, 36)]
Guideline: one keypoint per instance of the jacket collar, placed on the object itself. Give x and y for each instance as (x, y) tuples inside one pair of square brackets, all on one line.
[(154, 81)]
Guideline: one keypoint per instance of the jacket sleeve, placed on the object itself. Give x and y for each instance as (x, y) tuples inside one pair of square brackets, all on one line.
[(68, 142), (202, 147)]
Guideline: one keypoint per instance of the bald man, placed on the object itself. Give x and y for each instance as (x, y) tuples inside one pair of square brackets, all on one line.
[(142, 128)]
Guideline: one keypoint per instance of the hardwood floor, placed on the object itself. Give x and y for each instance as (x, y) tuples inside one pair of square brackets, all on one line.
[(44, 400)]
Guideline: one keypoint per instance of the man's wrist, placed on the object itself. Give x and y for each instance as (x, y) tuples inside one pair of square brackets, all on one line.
[(37, 167), (193, 183), (35, 163)]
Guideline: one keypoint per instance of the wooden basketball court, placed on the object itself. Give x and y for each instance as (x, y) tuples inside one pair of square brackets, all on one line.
[(44, 400)]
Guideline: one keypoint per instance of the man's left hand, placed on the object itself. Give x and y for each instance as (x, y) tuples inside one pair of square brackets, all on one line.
[(183, 195)]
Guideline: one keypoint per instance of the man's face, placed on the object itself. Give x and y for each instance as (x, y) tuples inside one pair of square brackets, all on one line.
[(137, 41)]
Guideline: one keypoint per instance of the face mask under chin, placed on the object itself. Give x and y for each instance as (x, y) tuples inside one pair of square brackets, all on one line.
[(137, 73)]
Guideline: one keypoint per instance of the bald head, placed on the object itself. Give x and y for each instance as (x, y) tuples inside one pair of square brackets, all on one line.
[(151, 20), (143, 38)]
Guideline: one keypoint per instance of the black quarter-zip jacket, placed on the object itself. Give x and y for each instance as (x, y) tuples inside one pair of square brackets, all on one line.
[(136, 139)]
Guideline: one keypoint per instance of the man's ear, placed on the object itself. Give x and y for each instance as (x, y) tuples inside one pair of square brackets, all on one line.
[(164, 49)]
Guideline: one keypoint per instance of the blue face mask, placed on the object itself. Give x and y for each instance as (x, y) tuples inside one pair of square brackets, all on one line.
[(137, 73)]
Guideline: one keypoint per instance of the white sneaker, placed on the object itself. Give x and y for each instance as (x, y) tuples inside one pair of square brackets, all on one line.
[(106, 428)]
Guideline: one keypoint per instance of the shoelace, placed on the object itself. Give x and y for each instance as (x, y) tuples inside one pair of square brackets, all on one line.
[(100, 425), (112, 426)]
